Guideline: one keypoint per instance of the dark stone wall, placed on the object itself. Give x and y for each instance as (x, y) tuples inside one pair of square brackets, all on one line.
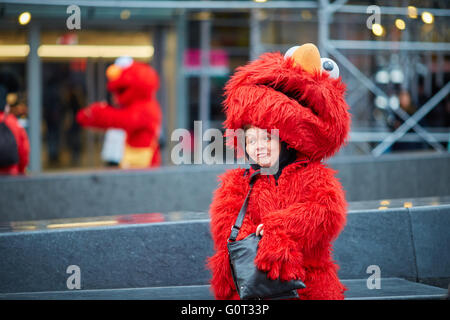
[(190, 188)]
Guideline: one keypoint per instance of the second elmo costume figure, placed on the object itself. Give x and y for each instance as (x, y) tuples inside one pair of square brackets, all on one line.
[(133, 86), (304, 209)]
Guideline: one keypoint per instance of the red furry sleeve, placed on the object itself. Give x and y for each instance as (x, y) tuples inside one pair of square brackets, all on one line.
[(23, 149), (102, 115), (224, 208), (302, 225)]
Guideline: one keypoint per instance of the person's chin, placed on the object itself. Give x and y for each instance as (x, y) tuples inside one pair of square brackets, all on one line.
[(264, 164)]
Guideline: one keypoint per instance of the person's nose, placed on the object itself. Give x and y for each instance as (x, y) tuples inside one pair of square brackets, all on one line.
[(261, 147)]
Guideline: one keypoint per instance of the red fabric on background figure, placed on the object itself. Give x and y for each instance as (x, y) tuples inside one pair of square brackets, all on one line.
[(304, 210), (133, 85), (23, 145)]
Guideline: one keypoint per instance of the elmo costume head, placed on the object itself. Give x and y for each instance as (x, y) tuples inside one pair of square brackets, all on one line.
[(300, 94), (130, 80)]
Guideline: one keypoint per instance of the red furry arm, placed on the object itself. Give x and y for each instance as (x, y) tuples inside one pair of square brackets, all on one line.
[(223, 210), (300, 226), (24, 150), (102, 115)]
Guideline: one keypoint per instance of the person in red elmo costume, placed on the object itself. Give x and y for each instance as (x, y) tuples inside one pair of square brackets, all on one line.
[(133, 86), (300, 210)]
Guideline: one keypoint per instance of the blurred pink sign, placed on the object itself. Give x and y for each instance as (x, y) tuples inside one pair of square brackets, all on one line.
[(217, 58)]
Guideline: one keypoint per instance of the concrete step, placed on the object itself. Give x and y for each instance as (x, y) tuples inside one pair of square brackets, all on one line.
[(406, 243), (391, 289)]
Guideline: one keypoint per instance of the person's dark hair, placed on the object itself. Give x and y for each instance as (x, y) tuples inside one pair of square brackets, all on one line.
[(287, 156)]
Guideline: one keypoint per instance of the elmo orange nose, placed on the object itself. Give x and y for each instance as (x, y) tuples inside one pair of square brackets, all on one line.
[(113, 72), (308, 57)]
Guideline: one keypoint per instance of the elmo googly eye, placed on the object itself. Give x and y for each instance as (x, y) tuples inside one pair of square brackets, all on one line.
[(290, 52), (123, 62), (330, 66)]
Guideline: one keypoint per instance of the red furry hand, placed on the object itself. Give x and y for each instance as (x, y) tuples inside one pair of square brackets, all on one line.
[(277, 255), (85, 116), (82, 117)]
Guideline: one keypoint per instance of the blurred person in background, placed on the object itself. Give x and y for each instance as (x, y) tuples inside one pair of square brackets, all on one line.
[(14, 144), (53, 113), (20, 110), (74, 100)]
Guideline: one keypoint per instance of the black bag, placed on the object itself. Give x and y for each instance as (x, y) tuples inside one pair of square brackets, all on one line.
[(9, 153), (250, 282)]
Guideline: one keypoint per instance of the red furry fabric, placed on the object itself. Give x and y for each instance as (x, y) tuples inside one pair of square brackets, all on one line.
[(309, 110), (23, 145), (306, 211), (139, 113)]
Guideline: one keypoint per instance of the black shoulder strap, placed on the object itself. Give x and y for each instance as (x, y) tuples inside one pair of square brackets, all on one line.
[(241, 215)]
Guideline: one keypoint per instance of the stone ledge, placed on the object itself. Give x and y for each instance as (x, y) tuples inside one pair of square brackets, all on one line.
[(391, 289)]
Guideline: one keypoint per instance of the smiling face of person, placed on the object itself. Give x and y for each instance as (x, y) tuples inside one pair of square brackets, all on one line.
[(261, 146)]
